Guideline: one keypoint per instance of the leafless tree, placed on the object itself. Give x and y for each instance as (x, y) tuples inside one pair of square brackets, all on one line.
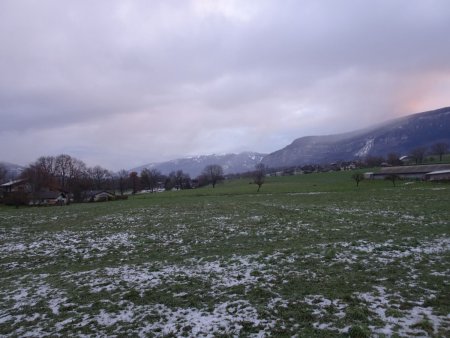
[(418, 154), (134, 180), (374, 161), (178, 180), (100, 177), (47, 165), (214, 173), (440, 149), (37, 178), (3, 173), (153, 177), (170, 181), (145, 179), (259, 175), (62, 168), (122, 180), (150, 177), (357, 177), (393, 178), (41, 174), (179, 176), (393, 159), (72, 174)]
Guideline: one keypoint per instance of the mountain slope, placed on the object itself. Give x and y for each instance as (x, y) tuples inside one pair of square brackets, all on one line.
[(231, 163), (13, 170), (399, 136)]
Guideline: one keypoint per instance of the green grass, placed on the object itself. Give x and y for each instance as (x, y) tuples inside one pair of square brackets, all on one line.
[(312, 255)]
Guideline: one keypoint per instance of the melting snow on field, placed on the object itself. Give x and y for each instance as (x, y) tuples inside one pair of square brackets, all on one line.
[(381, 301)]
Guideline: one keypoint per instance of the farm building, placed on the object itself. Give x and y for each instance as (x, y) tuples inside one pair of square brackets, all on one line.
[(16, 185), (368, 175), (412, 172), (440, 175), (98, 196), (48, 198)]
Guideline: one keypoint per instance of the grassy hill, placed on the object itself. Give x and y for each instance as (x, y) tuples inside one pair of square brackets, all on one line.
[(311, 255)]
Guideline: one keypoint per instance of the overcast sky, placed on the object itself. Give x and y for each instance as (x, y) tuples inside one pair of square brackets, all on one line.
[(124, 83)]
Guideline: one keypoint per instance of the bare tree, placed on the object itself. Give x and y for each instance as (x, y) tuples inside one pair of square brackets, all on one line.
[(374, 161), (440, 149), (393, 159), (44, 170), (418, 154), (153, 177), (358, 177), (100, 177), (3, 173), (182, 180), (150, 177), (72, 174), (134, 180), (77, 179), (47, 165), (145, 179), (170, 181), (38, 178), (178, 180), (41, 174), (62, 168), (393, 178), (214, 174), (122, 180), (259, 175)]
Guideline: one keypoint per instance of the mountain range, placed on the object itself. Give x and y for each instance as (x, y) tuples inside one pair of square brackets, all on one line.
[(399, 136), (13, 170), (396, 136), (231, 163)]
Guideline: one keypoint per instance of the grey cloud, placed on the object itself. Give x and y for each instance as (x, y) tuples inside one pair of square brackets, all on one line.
[(189, 77)]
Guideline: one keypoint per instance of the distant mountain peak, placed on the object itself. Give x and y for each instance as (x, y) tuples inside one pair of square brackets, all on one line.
[(194, 165)]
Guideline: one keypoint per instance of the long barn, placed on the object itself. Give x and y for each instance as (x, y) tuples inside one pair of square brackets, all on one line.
[(421, 172)]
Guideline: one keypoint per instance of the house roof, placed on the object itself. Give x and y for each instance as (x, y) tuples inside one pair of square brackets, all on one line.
[(97, 192), (12, 183), (412, 169), (47, 194), (438, 172)]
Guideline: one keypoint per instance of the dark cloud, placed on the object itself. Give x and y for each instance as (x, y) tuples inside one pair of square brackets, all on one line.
[(117, 82)]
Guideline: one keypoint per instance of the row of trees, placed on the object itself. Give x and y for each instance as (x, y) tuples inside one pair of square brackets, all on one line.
[(71, 175), (67, 173), (3, 173), (151, 179), (439, 149), (418, 155)]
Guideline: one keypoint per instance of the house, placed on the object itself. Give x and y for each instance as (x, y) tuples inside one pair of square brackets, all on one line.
[(48, 198), (14, 186), (418, 172), (98, 196), (368, 176), (407, 159)]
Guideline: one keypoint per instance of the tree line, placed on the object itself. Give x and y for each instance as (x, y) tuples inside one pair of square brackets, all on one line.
[(72, 176), (417, 155)]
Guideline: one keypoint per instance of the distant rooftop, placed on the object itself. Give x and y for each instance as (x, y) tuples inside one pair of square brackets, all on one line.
[(11, 183), (415, 169)]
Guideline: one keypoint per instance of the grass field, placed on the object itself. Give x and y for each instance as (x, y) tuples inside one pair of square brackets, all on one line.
[(310, 255)]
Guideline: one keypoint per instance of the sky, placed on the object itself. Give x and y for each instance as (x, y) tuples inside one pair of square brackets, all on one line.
[(122, 83)]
